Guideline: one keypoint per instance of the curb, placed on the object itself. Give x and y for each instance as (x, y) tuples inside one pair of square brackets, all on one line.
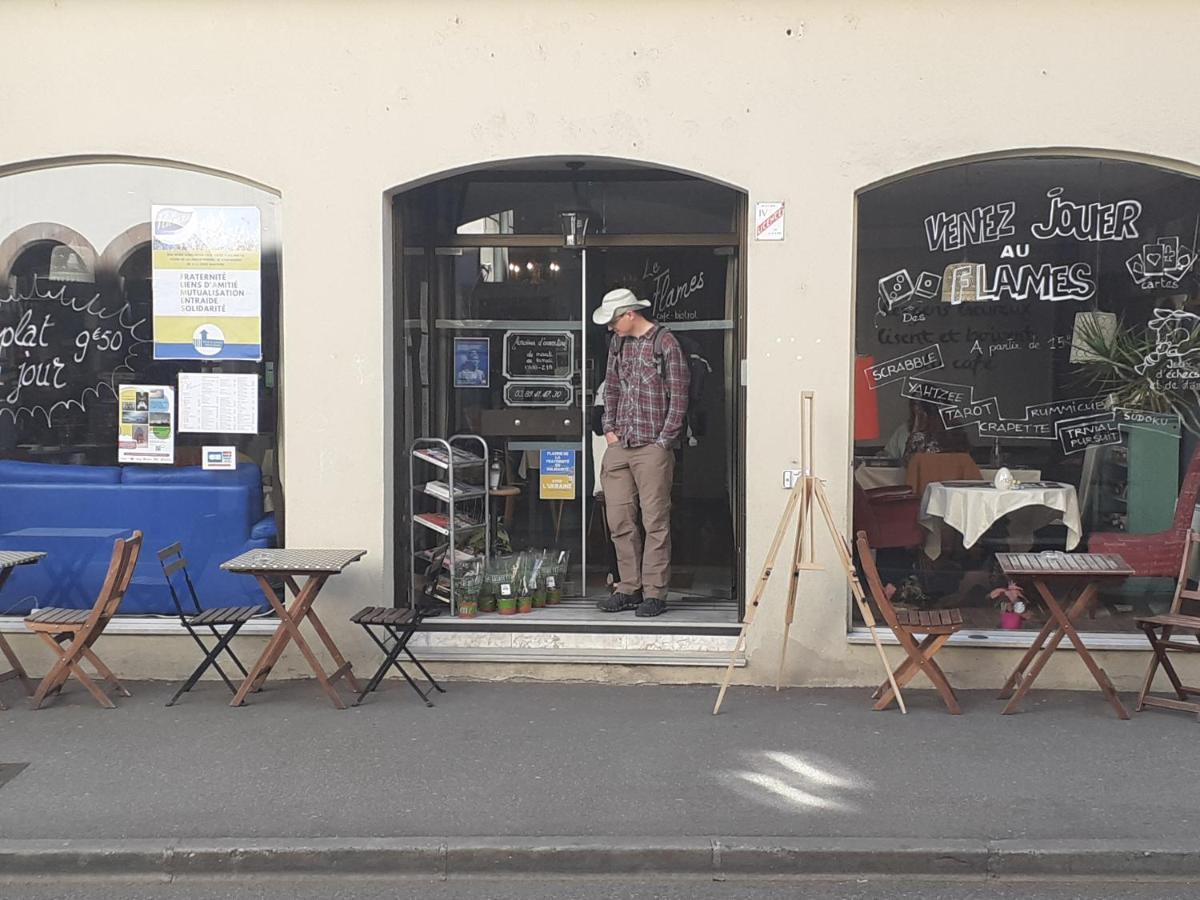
[(434, 857)]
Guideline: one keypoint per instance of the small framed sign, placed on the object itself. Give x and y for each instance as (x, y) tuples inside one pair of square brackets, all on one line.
[(539, 355), (219, 458), (472, 362), (538, 393)]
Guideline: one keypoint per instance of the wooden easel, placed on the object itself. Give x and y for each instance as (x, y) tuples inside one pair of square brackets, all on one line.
[(808, 493)]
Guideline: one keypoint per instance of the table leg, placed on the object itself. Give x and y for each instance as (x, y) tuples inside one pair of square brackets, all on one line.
[(1065, 628), (275, 645), (1055, 636), (343, 667), (1106, 686), (16, 670), (1018, 674)]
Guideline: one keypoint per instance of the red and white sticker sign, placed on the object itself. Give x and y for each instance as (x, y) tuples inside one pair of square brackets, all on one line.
[(768, 221)]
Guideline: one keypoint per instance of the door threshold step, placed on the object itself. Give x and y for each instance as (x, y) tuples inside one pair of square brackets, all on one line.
[(576, 647), (682, 618)]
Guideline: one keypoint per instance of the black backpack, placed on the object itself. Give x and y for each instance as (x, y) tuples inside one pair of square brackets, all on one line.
[(698, 369)]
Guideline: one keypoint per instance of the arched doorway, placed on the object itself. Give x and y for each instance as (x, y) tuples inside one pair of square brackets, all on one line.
[(497, 272)]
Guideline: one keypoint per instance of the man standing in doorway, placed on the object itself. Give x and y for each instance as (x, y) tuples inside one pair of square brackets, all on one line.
[(645, 407)]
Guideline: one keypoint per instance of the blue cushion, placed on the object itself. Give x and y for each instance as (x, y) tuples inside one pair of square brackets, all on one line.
[(265, 528), (244, 474), (16, 472)]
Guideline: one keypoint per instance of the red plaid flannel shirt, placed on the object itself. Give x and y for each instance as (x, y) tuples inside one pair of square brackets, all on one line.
[(639, 406)]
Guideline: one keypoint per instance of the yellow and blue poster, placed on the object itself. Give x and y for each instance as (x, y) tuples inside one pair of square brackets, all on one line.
[(556, 475), (207, 282)]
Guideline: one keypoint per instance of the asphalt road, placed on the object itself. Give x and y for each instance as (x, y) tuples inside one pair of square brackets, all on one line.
[(599, 889), (570, 759)]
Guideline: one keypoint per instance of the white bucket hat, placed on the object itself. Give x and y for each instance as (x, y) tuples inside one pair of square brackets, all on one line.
[(615, 303)]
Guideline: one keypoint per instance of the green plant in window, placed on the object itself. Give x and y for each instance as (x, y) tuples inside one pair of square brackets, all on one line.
[(1138, 369), (501, 543)]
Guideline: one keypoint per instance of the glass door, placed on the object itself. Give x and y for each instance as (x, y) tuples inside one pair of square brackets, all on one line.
[(508, 352), (496, 339), (692, 291)]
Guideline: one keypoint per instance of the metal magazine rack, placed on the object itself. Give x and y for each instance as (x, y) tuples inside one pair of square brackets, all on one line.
[(460, 505)]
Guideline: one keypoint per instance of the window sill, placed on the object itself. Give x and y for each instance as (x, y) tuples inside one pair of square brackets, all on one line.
[(1012, 640), (154, 625)]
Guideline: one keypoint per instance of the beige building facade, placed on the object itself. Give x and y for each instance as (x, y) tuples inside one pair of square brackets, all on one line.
[(327, 115)]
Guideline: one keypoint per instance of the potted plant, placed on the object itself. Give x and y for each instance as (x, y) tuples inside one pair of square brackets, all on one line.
[(468, 577), (505, 585), (1013, 608), (523, 583), (538, 578), (1134, 366), (556, 573)]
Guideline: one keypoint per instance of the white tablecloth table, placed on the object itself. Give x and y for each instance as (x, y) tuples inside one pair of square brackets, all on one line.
[(970, 508), (886, 476)]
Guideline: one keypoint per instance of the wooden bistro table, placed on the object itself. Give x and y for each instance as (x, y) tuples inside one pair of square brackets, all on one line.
[(9, 560), (1064, 571), (317, 566)]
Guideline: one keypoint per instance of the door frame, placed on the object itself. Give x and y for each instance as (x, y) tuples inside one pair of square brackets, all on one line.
[(397, 260)]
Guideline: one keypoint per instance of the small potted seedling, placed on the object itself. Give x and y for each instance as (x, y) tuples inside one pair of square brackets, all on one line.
[(1013, 608), (555, 578), (523, 583), (537, 577), (468, 576), (506, 587)]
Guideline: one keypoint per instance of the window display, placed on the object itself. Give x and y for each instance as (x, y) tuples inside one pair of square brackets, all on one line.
[(1037, 314), (86, 407)]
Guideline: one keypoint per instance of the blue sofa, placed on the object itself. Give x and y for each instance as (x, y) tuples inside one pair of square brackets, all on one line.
[(69, 511)]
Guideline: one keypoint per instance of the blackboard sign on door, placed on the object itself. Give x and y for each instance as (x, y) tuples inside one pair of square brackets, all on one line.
[(538, 393), (539, 355)]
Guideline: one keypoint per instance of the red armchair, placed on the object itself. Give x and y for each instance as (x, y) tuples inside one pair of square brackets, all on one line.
[(889, 516), (1158, 554)]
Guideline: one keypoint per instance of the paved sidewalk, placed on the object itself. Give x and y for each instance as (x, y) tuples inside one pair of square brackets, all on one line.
[(513, 765)]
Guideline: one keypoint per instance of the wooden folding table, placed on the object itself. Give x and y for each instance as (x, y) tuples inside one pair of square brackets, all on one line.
[(1066, 571), (10, 559), (317, 566)]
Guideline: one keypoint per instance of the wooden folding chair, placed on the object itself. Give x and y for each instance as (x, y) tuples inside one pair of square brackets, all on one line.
[(229, 618), (72, 632), (1159, 631), (936, 624)]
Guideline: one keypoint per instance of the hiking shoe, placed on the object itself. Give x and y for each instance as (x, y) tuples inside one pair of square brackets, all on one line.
[(618, 602), (652, 606)]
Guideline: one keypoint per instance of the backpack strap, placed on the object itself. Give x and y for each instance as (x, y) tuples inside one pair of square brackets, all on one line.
[(660, 360), (618, 346)]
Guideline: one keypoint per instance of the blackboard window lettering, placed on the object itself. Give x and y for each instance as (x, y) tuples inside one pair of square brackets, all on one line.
[(25, 333), (1088, 221), (981, 225)]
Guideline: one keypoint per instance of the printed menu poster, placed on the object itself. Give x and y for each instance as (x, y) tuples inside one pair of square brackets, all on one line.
[(218, 403), (556, 473), (146, 427), (207, 282)]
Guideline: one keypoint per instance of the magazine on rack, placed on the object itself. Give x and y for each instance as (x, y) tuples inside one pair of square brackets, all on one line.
[(442, 489), (438, 457), (441, 522)]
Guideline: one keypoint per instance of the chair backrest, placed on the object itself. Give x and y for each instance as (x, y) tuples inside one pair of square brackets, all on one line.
[(924, 468), (171, 568), (1182, 592), (116, 582), (867, 558), (1188, 493), (889, 516)]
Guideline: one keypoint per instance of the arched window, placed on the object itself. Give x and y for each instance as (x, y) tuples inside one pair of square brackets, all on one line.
[(1038, 313), (98, 313)]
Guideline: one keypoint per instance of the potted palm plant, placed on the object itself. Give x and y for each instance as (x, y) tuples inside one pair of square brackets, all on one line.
[(1133, 366)]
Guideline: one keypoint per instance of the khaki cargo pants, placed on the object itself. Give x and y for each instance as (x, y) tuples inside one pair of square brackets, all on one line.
[(639, 479)]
